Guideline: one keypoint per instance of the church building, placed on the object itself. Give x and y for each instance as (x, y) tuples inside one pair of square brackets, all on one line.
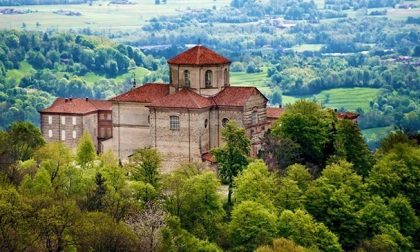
[(184, 119)]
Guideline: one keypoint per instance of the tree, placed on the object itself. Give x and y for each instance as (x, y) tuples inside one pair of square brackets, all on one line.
[(397, 172), (282, 245), (335, 199), (232, 156), (200, 208), (351, 145), (86, 152), (279, 152), (98, 231), (311, 127), (252, 225), (255, 183), (21, 140), (300, 227), (147, 224), (146, 163), (96, 200)]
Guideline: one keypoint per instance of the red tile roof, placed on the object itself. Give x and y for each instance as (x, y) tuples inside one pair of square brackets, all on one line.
[(198, 55), (146, 93), (274, 112), (235, 96), (77, 106), (347, 115), (184, 98)]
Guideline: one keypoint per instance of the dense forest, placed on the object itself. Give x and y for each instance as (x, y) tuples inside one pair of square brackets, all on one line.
[(315, 188), (56, 63)]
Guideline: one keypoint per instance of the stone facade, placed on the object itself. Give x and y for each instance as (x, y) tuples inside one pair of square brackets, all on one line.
[(67, 119)]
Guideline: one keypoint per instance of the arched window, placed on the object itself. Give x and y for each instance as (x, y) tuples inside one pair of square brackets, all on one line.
[(225, 122), (226, 77), (209, 77), (187, 79), (206, 122)]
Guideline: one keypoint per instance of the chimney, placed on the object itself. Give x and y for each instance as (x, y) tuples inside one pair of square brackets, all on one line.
[(87, 99), (133, 81), (66, 100)]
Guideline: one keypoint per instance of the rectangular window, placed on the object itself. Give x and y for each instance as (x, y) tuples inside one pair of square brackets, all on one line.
[(49, 119), (101, 132), (74, 134), (174, 122), (49, 133), (74, 120), (109, 116), (254, 117), (63, 135), (101, 116), (109, 132), (63, 120)]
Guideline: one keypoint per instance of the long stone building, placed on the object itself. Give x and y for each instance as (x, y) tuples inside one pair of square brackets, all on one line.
[(68, 118)]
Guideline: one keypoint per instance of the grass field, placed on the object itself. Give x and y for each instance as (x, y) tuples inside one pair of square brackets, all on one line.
[(258, 80), (348, 98), (376, 134), (17, 74), (101, 16)]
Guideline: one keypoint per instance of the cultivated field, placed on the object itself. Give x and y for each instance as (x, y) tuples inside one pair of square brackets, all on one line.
[(101, 15), (258, 80)]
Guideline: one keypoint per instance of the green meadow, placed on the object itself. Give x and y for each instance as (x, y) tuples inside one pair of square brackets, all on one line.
[(347, 98)]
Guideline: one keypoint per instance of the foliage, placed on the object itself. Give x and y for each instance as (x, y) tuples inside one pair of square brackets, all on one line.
[(252, 224), (146, 164), (311, 127), (280, 245), (303, 230), (232, 155), (86, 152), (352, 147)]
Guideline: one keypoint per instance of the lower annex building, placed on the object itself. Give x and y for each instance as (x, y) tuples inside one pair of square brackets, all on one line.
[(183, 120)]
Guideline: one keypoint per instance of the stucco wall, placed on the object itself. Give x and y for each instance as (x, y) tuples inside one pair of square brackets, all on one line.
[(130, 129)]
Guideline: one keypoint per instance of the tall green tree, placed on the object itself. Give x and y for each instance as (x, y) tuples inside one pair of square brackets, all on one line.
[(232, 156), (351, 146), (86, 152), (146, 164)]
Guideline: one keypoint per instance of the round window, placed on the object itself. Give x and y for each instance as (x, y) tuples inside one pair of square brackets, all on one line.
[(224, 122)]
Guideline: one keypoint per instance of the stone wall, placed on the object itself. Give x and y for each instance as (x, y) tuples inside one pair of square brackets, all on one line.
[(72, 131), (197, 77), (185, 144)]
